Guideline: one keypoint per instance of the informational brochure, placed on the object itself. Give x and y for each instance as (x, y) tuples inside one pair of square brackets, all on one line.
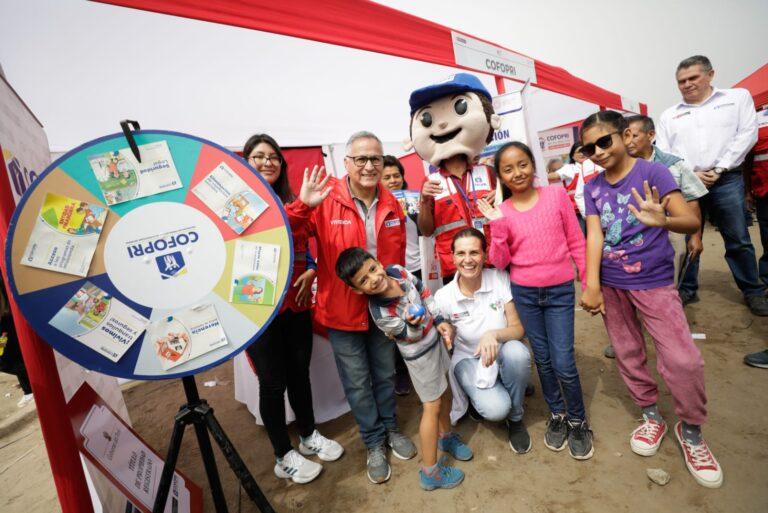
[(409, 201), (65, 235), (230, 198), (254, 273), (123, 178), (99, 321), (186, 334), (129, 460)]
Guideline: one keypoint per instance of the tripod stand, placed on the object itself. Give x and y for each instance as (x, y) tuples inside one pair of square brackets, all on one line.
[(197, 413)]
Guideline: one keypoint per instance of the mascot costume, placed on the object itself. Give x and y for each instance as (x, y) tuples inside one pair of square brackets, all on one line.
[(451, 122)]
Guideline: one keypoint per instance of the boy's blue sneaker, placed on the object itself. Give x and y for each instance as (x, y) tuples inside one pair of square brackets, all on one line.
[(453, 445), (443, 477)]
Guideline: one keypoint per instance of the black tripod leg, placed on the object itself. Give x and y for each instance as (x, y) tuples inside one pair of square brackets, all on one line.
[(170, 464), (237, 464), (206, 451)]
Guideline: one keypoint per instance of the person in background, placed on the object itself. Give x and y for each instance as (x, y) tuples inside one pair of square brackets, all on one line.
[(361, 212), (713, 130), (393, 178), (11, 360), (579, 171), (758, 186), (630, 281), (535, 233), (282, 354), (554, 165), (490, 367)]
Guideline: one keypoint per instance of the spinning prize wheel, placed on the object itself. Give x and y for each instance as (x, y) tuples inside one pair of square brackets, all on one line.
[(150, 268)]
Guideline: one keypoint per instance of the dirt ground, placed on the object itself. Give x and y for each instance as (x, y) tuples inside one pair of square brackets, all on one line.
[(614, 480)]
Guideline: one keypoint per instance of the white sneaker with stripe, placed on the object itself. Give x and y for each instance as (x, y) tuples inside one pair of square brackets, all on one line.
[(325, 448), (297, 468)]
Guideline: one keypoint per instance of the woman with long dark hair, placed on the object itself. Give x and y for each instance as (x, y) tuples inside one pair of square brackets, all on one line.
[(282, 354)]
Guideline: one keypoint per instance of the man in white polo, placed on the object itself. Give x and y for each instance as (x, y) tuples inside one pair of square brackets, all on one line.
[(714, 129)]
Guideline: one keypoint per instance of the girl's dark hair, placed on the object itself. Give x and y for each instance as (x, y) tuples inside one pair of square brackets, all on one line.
[(505, 192), (392, 161), (575, 147), (607, 117), (469, 232), (281, 187)]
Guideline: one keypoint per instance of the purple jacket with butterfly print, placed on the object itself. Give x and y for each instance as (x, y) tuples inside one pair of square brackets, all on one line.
[(635, 256)]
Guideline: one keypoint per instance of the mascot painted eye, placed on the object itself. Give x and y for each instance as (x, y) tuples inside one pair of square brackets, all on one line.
[(460, 106), (426, 120)]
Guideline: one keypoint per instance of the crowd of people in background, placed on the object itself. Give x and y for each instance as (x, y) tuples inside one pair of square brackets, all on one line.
[(623, 219)]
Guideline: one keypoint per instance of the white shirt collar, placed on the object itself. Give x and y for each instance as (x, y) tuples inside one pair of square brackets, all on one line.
[(715, 92), (485, 286)]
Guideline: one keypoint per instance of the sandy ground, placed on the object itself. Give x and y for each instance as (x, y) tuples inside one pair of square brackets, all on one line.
[(497, 480)]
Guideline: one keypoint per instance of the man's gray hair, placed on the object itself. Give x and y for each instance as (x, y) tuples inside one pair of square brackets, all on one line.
[(702, 61), (362, 134)]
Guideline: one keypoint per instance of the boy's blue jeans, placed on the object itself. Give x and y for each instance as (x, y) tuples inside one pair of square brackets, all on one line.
[(366, 364), (547, 314)]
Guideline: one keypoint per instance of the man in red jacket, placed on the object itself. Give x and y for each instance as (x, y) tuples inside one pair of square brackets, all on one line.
[(361, 212)]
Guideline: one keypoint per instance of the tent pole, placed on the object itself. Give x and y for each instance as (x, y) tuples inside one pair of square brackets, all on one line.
[(500, 85), (63, 455)]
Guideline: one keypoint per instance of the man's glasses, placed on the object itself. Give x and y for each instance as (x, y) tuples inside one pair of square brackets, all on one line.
[(604, 142), (360, 162), (260, 159)]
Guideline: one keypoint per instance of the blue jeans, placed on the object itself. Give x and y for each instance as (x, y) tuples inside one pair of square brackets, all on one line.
[(504, 400), (761, 207), (366, 363), (547, 314), (725, 207)]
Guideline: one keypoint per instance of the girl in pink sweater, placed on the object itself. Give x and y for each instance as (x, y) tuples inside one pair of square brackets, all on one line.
[(535, 233)]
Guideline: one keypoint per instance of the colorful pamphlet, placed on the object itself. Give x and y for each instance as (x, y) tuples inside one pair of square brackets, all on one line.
[(186, 335), (230, 198), (409, 201), (254, 273), (123, 178), (99, 321), (65, 235)]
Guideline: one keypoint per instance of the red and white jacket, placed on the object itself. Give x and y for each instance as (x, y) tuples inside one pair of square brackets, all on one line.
[(337, 225)]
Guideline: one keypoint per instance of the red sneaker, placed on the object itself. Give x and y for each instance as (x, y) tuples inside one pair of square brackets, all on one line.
[(700, 461), (647, 438)]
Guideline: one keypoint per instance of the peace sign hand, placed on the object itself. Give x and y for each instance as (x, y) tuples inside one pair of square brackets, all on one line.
[(491, 212), (312, 187), (652, 212)]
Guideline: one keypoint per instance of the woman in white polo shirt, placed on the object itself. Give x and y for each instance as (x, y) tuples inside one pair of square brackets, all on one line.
[(490, 367)]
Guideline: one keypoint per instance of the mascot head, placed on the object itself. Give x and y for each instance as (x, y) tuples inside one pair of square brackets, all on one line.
[(450, 118)]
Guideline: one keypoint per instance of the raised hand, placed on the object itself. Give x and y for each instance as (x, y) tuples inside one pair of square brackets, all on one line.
[(490, 211), (652, 212), (430, 189), (313, 190)]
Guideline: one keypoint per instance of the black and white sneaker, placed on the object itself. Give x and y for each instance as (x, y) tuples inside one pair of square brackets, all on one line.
[(580, 440), (297, 468), (556, 437), (519, 439)]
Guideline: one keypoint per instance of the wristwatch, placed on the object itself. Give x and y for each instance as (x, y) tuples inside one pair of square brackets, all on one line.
[(720, 170)]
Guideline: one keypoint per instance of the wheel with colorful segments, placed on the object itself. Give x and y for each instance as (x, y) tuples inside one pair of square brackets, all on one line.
[(151, 268)]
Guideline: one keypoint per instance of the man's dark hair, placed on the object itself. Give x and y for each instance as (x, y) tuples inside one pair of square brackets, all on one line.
[(607, 117), (702, 61), (349, 262), (470, 232), (392, 161), (645, 120)]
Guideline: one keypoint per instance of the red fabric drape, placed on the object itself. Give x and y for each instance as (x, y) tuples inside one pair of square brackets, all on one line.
[(757, 84), (358, 24), (63, 454)]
